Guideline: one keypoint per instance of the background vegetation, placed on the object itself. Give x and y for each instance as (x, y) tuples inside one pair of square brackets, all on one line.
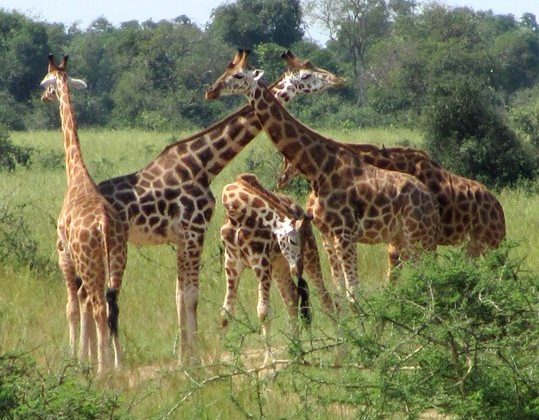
[(451, 336), (467, 79)]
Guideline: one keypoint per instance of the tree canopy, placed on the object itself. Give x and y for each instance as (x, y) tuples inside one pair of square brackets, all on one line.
[(405, 65)]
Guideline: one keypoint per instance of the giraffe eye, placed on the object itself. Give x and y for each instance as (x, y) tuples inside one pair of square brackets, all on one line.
[(305, 76), (238, 76)]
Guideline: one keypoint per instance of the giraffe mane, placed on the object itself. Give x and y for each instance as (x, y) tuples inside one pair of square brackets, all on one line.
[(250, 182)]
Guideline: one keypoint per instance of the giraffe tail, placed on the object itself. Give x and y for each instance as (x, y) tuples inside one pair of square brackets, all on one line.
[(304, 303), (113, 310)]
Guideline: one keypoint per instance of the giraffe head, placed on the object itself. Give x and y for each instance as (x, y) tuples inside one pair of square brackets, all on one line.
[(304, 77), (289, 233), (238, 78), (55, 72)]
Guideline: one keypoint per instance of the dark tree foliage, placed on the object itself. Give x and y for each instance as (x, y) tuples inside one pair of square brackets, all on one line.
[(247, 23), (466, 133)]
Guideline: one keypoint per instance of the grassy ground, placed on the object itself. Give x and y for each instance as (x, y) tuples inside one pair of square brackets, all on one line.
[(32, 304)]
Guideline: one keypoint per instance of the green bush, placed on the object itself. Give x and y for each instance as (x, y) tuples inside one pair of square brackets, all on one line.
[(467, 337), (467, 134), (18, 246), (12, 155), (525, 114), (26, 392)]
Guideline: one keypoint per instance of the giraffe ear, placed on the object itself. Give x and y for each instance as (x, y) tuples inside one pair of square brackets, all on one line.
[(77, 83), (257, 74), (48, 80)]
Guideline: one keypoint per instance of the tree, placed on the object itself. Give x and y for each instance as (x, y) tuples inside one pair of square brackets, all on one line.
[(247, 23), (466, 133), (354, 26)]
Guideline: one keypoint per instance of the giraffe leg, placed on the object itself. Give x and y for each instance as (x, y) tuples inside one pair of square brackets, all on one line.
[(118, 260), (87, 344), (103, 336), (233, 269), (288, 291), (347, 257), (337, 273), (393, 260), (313, 270), (188, 261), (73, 284), (263, 273)]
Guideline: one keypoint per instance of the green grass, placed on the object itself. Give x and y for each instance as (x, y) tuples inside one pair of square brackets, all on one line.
[(32, 305)]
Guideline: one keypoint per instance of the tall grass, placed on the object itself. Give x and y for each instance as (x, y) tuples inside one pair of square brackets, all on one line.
[(32, 304)]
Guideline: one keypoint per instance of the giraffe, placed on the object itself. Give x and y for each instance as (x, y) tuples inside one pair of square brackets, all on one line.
[(264, 232), (353, 201), (469, 212), (91, 241), (170, 200)]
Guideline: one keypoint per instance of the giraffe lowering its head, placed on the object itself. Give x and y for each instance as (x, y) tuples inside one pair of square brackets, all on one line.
[(91, 239), (266, 233)]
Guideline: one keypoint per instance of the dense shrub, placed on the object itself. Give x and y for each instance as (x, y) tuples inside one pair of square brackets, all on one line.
[(26, 392), (18, 246), (12, 155), (468, 335), (467, 134), (525, 114)]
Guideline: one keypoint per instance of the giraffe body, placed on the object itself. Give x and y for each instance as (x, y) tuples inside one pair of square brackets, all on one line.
[(468, 210), (257, 235), (353, 201), (91, 242), (170, 201)]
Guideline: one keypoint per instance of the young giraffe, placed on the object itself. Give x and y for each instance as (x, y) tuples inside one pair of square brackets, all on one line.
[(91, 239), (170, 200), (264, 232), (468, 210), (353, 201)]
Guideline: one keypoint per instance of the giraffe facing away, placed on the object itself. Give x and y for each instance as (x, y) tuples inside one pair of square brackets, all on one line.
[(170, 200), (353, 201), (468, 210), (264, 232), (91, 241)]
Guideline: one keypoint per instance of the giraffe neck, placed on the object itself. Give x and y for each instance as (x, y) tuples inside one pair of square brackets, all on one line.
[(73, 157), (309, 152), (210, 150)]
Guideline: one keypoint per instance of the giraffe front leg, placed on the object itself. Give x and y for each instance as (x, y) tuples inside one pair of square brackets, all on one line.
[(188, 261), (346, 252), (73, 283), (88, 334), (288, 290), (336, 268), (263, 273), (393, 260), (233, 269), (99, 306), (313, 270)]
